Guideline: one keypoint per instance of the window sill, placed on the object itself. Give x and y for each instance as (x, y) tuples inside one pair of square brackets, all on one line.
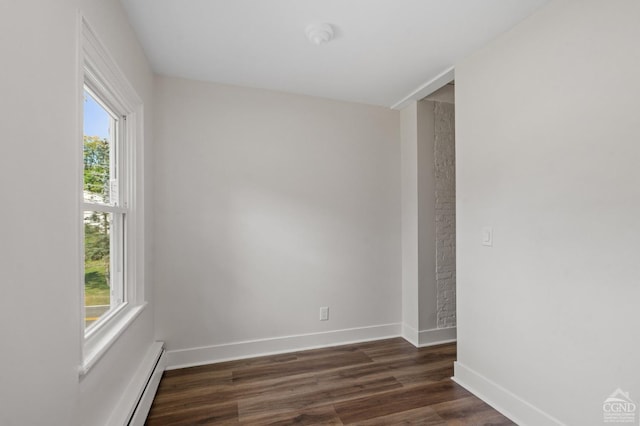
[(98, 344)]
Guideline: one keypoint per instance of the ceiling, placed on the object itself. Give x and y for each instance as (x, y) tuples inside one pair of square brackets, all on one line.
[(383, 50)]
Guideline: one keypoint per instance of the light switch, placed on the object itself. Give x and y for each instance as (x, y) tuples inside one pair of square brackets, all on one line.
[(487, 236)]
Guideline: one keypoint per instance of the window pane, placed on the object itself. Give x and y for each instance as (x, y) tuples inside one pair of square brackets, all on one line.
[(103, 264), (97, 265), (99, 154)]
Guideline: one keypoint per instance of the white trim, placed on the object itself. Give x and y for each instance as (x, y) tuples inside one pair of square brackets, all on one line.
[(431, 337), (506, 402), (96, 330), (436, 336), (97, 67), (181, 358), (104, 208), (410, 334), (102, 68), (96, 346), (427, 88), (80, 180), (134, 405), (134, 188)]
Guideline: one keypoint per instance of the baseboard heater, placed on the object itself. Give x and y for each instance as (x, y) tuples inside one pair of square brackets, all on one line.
[(134, 405)]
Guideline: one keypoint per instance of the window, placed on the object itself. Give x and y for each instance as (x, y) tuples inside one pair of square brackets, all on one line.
[(105, 209), (110, 194)]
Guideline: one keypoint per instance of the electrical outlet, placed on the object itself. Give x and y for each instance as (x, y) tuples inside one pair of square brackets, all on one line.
[(324, 313)]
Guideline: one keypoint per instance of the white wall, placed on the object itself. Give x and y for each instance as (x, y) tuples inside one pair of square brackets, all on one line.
[(268, 206), (40, 320), (547, 153)]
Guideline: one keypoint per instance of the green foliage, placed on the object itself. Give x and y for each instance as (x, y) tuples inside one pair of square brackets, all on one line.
[(94, 297), (96, 238), (96, 166), (96, 225), (96, 274), (96, 282)]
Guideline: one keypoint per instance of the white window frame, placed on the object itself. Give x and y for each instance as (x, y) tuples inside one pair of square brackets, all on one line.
[(119, 209), (98, 71)]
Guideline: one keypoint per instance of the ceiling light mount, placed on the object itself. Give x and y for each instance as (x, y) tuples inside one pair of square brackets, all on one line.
[(319, 33)]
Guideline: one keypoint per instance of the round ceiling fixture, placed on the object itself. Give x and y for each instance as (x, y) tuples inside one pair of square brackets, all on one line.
[(319, 33)]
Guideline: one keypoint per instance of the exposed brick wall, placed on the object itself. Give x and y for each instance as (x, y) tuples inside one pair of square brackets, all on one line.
[(445, 213)]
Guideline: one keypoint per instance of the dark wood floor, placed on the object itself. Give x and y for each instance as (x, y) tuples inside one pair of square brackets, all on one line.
[(387, 382)]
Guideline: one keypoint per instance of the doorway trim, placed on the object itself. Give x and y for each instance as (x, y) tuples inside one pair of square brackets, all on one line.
[(427, 88)]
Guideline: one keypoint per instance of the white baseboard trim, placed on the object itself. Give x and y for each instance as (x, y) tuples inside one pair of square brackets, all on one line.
[(431, 337), (134, 405), (436, 336), (411, 335), (181, 358), (507, 403)]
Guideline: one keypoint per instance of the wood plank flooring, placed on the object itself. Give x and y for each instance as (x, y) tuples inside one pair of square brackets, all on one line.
[(387, 382)]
